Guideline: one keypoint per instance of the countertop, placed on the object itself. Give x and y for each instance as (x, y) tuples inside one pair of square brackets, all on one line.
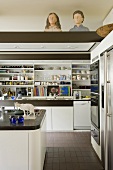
[(31, 124)]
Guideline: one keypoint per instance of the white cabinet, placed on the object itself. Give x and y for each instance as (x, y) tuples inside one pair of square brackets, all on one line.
[(23, 150), (59, 118), (37, 147), (62, 118), (82, 118), (13, 150), (48, 117)]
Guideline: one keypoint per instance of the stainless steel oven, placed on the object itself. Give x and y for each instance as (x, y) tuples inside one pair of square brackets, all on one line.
[(95, 102), (95, 110), (94, 70)]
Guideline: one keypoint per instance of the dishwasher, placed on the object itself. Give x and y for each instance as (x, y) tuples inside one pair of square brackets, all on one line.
[(82, 120)]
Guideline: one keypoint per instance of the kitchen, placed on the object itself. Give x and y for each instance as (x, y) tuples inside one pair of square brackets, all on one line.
[(67, 102)]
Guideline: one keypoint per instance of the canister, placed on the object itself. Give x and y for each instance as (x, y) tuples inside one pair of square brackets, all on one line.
[(22, 77)]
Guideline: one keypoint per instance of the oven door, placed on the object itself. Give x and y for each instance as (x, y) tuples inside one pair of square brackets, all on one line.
[(94, 71), (94, 88), (95, 113)]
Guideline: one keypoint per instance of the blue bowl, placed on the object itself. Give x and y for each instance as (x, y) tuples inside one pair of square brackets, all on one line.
[(13, 97)]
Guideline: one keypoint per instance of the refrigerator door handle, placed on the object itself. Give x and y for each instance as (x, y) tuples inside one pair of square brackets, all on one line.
[(105, 110), (93, 133), (109, 114)]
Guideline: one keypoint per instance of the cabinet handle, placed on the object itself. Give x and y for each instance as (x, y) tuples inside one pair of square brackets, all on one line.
[(94, 134)]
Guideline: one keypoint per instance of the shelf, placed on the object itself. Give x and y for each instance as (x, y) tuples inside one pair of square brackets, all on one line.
[(53, 80), (14, 73), (94, 79), (80, 74), (16, 80), (76, 64), (52, 70), (82, 89), (80, 68), (17, 85), (94, 84), (16, 68), (54, 85), (49, 37), (80, 80)]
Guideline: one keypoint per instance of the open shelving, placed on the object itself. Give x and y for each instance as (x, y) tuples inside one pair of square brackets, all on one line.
[(52, 76), (81, 78), (43, 77)]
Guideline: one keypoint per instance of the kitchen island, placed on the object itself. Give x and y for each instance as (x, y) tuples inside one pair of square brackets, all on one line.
[(22, 146), (59, 110)]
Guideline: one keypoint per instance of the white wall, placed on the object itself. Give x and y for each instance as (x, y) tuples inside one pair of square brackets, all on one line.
[(109, 18), (37, 23)]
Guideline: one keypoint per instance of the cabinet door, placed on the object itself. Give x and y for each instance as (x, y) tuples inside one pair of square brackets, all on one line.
[(43, 141), (82, 115), (62, 118), (13, 150), (37, 147), (48, 117)]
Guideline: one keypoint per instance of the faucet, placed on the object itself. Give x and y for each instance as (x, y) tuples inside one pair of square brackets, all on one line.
[(55, 95)]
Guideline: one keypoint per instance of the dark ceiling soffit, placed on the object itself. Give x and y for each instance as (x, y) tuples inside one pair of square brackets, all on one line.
[(44, 56), (49, 37)]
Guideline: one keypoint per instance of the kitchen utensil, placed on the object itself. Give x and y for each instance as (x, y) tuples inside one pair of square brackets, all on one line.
[(88, 72), (83, 71), (84, 78), (78, 77), (77, 71)]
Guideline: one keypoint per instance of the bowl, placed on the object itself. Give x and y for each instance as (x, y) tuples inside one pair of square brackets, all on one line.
[(83, 71), (84, 78), (13, 97)]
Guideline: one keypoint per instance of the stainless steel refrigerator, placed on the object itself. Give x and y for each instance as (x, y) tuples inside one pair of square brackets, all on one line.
[(106, 127)]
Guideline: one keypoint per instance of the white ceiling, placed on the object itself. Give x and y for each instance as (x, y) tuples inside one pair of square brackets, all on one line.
[(96, 8)]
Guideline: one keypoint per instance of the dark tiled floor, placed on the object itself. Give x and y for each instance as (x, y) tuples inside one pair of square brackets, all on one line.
[(70, 151)]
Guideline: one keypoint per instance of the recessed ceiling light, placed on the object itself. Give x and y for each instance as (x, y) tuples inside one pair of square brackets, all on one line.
[(72, 47), (16, 46), (42, 46)]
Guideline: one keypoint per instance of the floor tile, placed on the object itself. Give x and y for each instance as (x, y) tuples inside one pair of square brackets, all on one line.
[(70, 151)]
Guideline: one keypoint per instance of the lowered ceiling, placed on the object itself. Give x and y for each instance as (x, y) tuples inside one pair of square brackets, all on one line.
[(46, 46)]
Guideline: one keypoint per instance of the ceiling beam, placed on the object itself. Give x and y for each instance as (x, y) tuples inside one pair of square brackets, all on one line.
[(44, 56), (49, 37)]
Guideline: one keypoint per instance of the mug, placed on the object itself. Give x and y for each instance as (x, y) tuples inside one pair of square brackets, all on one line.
[(13, 119), (20, 119), (78, 77)]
